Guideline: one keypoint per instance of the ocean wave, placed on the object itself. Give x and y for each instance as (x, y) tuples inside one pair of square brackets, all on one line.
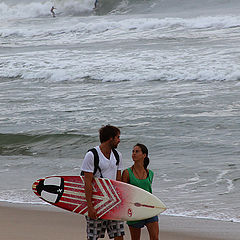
[(73, 76), (61, 70), (20, 196), (130, 25), (65, 144), (14, 9), (21, 10), (33, 9), (201, 214)]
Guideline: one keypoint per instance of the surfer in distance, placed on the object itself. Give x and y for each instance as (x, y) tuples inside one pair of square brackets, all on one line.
[(95, 4), (140, 176), (52, 11), (109, 139)]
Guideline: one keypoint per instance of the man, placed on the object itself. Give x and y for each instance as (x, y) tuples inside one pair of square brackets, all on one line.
[(109, 139), (52, 11), (95, 4)]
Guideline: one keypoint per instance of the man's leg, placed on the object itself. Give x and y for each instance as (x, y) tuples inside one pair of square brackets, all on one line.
[(115, 229), (95, 228)]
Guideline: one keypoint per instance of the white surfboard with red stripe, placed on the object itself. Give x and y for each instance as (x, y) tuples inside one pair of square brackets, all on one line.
[(112, 199)]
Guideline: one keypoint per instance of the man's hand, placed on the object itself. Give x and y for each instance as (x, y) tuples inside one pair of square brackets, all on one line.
[(92, 213)]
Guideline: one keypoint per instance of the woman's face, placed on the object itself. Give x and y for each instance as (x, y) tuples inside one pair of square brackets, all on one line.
[(137, 154)]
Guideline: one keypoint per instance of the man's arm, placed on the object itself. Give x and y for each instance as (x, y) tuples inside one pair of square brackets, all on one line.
[(125, 176), (119, 177), (92, 213)]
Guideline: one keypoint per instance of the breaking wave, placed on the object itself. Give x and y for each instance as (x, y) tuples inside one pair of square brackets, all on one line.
[(34, 8), (61, 145)]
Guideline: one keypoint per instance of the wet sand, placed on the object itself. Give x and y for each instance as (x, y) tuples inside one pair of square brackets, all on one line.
[(45, 223)]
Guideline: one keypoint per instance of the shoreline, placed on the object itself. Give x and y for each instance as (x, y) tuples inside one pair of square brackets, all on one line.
[(21, 222)]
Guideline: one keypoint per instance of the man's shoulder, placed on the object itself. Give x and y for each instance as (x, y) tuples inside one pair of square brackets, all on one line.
[(90, 153), (117, 151), (91, 150), (117, 154)]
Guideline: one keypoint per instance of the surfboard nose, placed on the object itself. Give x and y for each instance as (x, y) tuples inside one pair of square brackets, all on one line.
[(34, 186), (49, 189)]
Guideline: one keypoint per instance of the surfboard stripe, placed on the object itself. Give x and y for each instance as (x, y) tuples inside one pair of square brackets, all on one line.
[(114, 199), (78, 187), (108, 196), (104, 190), (74, 184)]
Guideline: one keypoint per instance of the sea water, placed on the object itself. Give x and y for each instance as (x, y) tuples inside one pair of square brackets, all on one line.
[(166, 72)]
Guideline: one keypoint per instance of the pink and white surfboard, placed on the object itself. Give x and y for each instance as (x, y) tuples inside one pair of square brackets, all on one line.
[(112, 199)]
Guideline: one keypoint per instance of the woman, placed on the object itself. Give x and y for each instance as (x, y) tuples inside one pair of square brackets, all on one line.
[(142, 177)]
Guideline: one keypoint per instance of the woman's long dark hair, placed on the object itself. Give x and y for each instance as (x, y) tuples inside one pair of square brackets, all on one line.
[(144, 150)]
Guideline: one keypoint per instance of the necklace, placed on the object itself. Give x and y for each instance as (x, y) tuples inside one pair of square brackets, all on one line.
[(139, 176)]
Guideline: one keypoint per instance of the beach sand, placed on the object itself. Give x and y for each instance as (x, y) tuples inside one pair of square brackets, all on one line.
[(45, 223)]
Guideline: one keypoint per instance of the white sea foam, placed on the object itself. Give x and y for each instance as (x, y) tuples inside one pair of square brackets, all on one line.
[(30, 10), (19, 196), (63, 67), (35, 9), (131, 25), (201, 215), (222, 178)]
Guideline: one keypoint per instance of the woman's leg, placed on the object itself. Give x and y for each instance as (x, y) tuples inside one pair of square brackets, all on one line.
[(135, 233), (153, 230)]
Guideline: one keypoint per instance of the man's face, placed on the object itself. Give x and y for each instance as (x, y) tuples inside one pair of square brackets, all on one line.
[(116, 141)]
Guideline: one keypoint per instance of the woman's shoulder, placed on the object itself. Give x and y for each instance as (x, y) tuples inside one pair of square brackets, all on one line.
[(127, 169), (150, 173)]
